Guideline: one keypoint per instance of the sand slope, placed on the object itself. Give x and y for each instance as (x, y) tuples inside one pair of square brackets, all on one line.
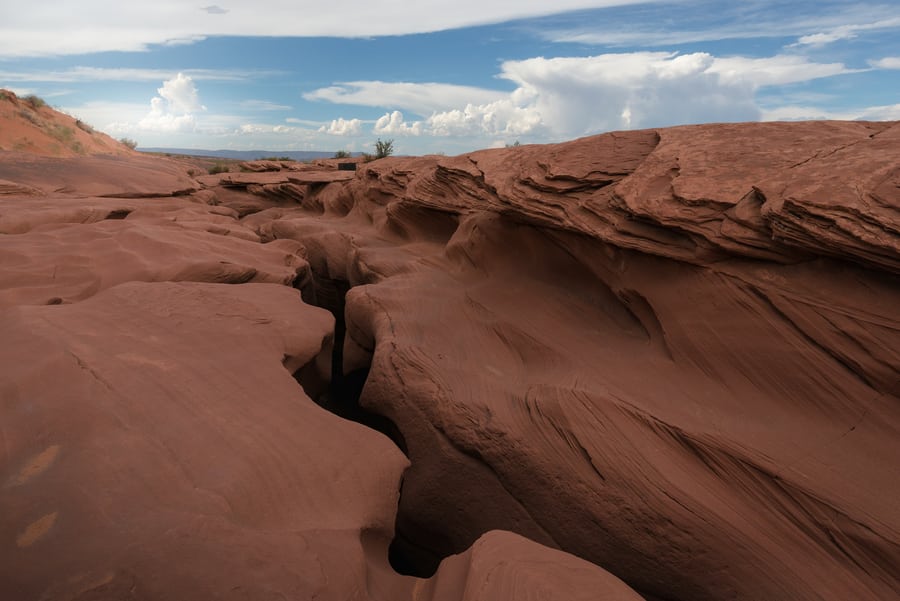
[(31, 126)]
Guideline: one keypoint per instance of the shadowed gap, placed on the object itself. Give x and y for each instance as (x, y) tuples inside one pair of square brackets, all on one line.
[(341, 396)]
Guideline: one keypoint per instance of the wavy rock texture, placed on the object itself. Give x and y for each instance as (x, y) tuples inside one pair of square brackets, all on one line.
[(154, 442), (674, 354), (681, 343)]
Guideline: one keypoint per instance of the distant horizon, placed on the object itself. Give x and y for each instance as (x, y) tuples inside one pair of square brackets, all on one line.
[(265, 151), (444, 78)]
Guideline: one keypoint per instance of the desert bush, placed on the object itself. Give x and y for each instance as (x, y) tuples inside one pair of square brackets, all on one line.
[(384, 148), (132, 144), (30, 116), (342, 154), (35, 102), (83, 126), (62, 133), (219, 167)]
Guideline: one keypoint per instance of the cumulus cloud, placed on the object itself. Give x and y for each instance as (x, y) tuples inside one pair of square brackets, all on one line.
[(516, 115), (393, 123), (262, 128), (173, 110), (580, 95), (181, 94), (565, 97), (342, 127), (160, 119)]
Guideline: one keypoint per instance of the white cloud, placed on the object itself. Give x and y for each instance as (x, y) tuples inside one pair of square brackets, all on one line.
[(576, 96), (263, 105), (888, 62), (158, 119), (670, 23), (90, 74), (181, 94), (418, 98), (34, 29), (171, 112), (516, 115), (342, 127), (802, 113), (773, 71), (560, 98), (845, 32), (393, 123), (265, 128)]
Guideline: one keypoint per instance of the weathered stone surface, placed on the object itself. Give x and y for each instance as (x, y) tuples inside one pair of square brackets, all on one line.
[(672, 353), (577, 346), (157, 447), (114, 176)]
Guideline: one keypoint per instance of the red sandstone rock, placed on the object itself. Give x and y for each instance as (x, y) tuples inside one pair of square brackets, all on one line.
[(134, 176), (672, 353), (730, 422), (156, 447)]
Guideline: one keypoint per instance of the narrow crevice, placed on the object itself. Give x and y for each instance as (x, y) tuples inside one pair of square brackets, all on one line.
[(406, 553), (340, 394)]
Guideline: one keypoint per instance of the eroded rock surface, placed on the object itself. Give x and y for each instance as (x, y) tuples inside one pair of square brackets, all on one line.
[(674, 354)]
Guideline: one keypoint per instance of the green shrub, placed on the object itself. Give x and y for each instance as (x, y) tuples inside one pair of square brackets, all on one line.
[(83, 126), (219, 167), (35, 102), (342, 154), (132, 144), (384, 148)]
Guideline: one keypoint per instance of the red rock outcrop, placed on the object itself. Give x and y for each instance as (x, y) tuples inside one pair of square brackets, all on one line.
[(673, 353), (683, 343)]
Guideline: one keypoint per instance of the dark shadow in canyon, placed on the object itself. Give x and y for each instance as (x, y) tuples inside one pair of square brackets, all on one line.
[(409, 553)]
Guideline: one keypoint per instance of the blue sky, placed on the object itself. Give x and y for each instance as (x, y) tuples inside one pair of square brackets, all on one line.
[(447, 77)]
